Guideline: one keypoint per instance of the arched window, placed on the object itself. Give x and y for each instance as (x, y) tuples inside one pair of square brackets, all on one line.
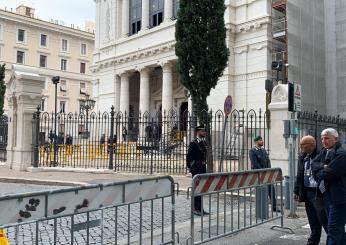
[(156, 12), (135, 16)]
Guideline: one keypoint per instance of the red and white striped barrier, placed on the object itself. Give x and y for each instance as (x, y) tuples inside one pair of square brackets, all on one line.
[(209, 183)]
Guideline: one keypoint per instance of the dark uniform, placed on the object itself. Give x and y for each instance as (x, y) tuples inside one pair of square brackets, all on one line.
[(196, 162), (259, 159)]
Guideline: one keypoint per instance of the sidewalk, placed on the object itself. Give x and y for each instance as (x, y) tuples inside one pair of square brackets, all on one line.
[(73, 176)]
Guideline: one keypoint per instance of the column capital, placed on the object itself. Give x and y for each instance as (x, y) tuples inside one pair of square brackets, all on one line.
[(123, 73), (166, 66), (142, 69)]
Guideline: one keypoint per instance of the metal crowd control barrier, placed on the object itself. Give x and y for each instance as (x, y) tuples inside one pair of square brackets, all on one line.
[(135, 211), (235, 201)]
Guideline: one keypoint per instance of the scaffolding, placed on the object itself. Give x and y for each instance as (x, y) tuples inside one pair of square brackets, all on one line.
[(279, 36)]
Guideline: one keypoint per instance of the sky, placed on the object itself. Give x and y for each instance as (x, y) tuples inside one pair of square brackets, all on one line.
[(69, 11)]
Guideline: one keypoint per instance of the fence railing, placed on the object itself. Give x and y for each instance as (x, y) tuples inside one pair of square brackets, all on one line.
[(136, 211), (312, 123), (234, 202), (146, 143)]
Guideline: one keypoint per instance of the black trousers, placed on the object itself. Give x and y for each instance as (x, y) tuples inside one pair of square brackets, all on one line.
[(317, 216), (200, 169), (272, 196)]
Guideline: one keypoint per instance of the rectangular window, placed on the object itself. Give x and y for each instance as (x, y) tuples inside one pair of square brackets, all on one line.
[(83, 49), (20, 57), (43, 40), (63, 85), (156, 12), (63, 64), (82, 88), (64, 45), (82, 68), (135, 16), (62, 106), (21, 35), (43, 61)]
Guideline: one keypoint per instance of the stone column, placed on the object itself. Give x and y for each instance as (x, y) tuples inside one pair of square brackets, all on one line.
[(117, 88), (144, 92), (279, 112), (24, 92), (145, 14), (125, 18), (167, 87), (168, 10), (124, 93)]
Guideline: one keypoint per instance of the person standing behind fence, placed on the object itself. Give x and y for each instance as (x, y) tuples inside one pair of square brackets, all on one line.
[(259, 159), (329, 168), (305, 190), (196, 162), (124, 133)]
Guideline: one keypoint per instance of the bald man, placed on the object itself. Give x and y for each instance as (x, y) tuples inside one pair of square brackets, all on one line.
[(306, 190)]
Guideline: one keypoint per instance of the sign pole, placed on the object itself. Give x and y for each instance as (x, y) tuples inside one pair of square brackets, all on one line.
[(227, 109)]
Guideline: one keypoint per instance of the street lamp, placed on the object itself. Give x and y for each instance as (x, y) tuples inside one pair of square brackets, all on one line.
[(55, 81), (89, 104)]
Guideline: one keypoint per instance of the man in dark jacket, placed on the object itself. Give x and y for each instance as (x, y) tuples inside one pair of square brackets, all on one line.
[(329, 168), (196, 162), (305, 190), (259, 159)]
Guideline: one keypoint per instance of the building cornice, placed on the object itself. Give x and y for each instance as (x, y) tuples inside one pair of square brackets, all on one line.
[(42, 24)]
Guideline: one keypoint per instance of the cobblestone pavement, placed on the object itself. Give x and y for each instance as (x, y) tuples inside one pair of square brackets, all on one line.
[(128, 224)]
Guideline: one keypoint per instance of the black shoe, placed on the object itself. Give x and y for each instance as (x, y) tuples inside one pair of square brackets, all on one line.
[(205, 212), (197, 212)]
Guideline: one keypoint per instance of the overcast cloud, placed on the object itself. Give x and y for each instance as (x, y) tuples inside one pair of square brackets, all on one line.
[(69, 11)]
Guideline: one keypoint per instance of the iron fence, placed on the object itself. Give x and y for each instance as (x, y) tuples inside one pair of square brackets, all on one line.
[(312, 123), (147, 143)]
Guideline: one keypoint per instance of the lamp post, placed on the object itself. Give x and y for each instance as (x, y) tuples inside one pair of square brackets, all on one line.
[(55, 81), (89, 104)]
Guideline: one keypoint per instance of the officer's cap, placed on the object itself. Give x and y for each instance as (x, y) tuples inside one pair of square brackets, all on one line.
[(257, 138), (200, 127)]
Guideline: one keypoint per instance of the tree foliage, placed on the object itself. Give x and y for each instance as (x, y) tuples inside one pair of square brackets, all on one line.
[(2, 88), (201, 48)]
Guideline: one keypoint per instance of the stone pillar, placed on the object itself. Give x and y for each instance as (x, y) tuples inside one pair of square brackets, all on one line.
[(145, 14), (167, 87), (144, 91), (124, 93), (125, 18), (279, 112), (168, 14), (24, 93), (117, 88)]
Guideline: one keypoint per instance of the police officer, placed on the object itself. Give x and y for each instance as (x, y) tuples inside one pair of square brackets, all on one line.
[(196, 162), (259, 159)]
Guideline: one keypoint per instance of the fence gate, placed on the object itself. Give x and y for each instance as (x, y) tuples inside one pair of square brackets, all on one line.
[(3, 137)]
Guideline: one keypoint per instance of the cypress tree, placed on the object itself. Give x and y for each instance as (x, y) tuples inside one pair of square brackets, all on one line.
[(201, 49)]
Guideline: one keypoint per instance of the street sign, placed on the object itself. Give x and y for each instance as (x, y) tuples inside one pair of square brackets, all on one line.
[(297, 97), (294, 97), (228, 105)]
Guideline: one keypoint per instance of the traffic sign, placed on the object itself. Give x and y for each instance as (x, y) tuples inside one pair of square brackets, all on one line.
[(297, 97), (228, 105)]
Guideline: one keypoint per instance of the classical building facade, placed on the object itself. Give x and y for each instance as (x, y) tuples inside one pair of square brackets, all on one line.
[(135, 63), (55, 49)]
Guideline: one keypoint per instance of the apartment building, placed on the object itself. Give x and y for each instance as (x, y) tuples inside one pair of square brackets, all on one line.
[(55, 49)]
